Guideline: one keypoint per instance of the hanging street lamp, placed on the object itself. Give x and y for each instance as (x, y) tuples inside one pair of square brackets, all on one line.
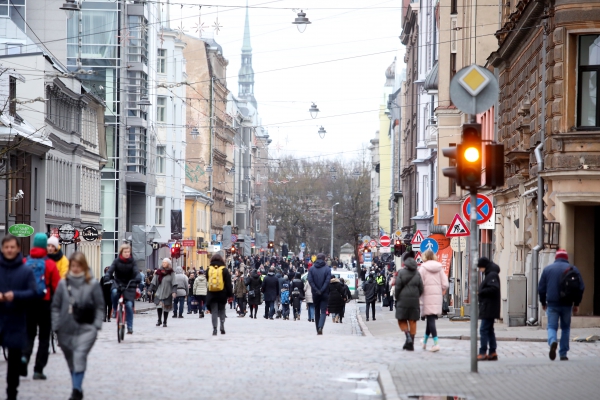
[(301, 21), (314, 110), (322, 132), (69, 7)]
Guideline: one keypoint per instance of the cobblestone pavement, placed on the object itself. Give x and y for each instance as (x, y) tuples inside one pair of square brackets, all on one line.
[(262, 359)]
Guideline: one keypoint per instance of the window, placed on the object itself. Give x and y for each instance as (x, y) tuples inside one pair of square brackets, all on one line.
[(161, 153), (161, 66), (588, 110), (160, 211), (12, 95), (453, 7), (161, 107)]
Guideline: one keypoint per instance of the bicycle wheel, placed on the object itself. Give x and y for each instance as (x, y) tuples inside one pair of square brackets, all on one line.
[(122, 332), (119, 324)]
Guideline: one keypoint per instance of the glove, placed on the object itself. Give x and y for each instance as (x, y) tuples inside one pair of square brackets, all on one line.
[(318, 292)]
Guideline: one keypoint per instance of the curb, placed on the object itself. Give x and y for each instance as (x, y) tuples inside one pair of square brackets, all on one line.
[(145, 310), (361, 323), (498, 339), (387, 385)]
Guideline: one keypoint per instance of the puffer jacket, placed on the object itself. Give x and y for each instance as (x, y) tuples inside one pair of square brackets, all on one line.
[(181, 281), (308, 293), (200, 286), (254, 283), (336, 296), (408, 289), (435, 283)]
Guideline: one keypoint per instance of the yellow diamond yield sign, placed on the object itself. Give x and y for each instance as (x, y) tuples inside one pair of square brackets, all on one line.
[(474, 80)]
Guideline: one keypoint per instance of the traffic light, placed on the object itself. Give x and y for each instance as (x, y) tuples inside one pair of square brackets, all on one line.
[(494, 165), (270, 245), (176, 250), (233, 249), (397, 248), (467, 156), (366, 249)]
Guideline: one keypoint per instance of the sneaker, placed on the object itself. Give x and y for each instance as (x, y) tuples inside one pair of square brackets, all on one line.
[(320, 331), (39, 376), (374, 319), (23, 367), (159, 323), (424, 344), (482, 357), (552, 353), (222, 331), (164, 325), (181, 316), (130, 331), (493, 357), (562, 358), (435, 348), (214, 331), (367, 318)]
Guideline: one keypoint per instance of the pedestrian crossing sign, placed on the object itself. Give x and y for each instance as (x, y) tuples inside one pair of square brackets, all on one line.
[(458, 228), (417, 239)]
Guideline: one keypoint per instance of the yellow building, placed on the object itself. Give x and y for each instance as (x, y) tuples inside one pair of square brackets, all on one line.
[(197, 220), (385, 153)]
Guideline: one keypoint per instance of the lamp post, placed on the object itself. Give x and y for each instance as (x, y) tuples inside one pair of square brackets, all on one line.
[(331, 248)]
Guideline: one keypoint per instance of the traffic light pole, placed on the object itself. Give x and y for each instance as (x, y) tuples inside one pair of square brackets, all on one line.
[(474, 307)]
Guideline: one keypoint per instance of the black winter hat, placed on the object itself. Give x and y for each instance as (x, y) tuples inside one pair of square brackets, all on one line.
[(483, 262)]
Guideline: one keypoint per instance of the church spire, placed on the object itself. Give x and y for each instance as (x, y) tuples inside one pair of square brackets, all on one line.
[(246, 74)]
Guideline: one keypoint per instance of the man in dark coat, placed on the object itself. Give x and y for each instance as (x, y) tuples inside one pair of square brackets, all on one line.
[(489, 308), (270, 288), (370, 290), (17, 285), (319, 277), (408, 289)]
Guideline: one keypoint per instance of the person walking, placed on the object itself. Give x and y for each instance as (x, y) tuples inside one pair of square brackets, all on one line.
[(254, 284), (165, 291), (55, 253), (347, 297), (370, 291), (310, 306), (380, 281), (220, 291), (319, 277), (106, 286), (17, 287), (192, 302), (297, 284), (38, 310), (336, 299), (240, 290), (408, 289), (435, 283), (489, 308), (270, 289), (77, 312), (389, 291), (560, 290), (182, 290), (125, 276), (200, 291)]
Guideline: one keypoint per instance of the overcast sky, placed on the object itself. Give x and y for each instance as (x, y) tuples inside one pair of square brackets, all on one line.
[(362, 35)]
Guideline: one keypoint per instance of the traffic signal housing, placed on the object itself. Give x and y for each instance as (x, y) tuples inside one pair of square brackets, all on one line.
[(176, 250), (233, 249), (467, 156), (270, 246), (397, 248), (494, 165)]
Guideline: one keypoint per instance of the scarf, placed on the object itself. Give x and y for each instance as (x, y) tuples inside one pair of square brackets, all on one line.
[(56, 256), (73, 275), (125, 260), (161, 273)]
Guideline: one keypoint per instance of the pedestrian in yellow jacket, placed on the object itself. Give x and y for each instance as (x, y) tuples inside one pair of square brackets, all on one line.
[(55, 254)]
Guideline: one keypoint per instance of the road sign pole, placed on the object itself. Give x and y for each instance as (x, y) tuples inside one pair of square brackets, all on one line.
[(460, 281), (473, 304)]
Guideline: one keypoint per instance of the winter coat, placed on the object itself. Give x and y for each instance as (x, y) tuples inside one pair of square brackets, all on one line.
[(549, 286), (308, 293), (15, 277), (165, 289), (254, 283), (239, 289), (51, 273), (319, 277), (201, 286), (182, 283), (297, 283), (61, 261), (489, 293), (370, 290), (435, 282), (191, 286), (75, 339), (270, 287), (221, 296), (407, 291), (106, 287), (337, 296), (122, 272)]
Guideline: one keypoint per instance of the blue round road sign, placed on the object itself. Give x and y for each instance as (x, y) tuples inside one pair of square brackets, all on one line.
[(429, 244)]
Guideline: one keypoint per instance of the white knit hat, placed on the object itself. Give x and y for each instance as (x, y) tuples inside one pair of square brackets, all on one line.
[(167, 260), (53, 240)]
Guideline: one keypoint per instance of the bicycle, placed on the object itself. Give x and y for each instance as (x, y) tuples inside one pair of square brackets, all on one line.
[(122, 313)]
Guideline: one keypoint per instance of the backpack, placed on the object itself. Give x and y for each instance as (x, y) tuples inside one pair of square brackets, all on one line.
[(285, 294), (570, 286), (215, 279), (38, 265)]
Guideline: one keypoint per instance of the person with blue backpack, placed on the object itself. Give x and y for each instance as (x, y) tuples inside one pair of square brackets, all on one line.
[(39, 320), (285, 300)]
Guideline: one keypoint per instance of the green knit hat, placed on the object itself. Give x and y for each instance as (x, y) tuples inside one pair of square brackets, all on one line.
[(40, 240)]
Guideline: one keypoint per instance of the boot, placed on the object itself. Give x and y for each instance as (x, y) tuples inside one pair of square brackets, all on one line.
[(76, 395), (409, 345)]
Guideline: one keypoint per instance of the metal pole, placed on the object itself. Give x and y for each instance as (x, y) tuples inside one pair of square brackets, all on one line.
[(474, 280), (459, 276), (331, 248)]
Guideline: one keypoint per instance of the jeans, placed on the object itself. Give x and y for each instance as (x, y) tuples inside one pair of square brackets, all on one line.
[(217, 311), (128, 308), (285, 310), (242, 303), (269, 309), (311, 311), (488, 336), (564, 314), (179, 300), (320, 302), (372, 305), (38, 316), (77, 380), (201, 302), (191, 307)]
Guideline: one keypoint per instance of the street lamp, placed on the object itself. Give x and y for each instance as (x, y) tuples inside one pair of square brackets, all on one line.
[(144, 103), (301, 21), (314, 110), (331, 249), (69, 7), (322, 132)]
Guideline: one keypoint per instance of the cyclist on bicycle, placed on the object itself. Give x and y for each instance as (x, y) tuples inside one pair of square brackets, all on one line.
[(123, 271)]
